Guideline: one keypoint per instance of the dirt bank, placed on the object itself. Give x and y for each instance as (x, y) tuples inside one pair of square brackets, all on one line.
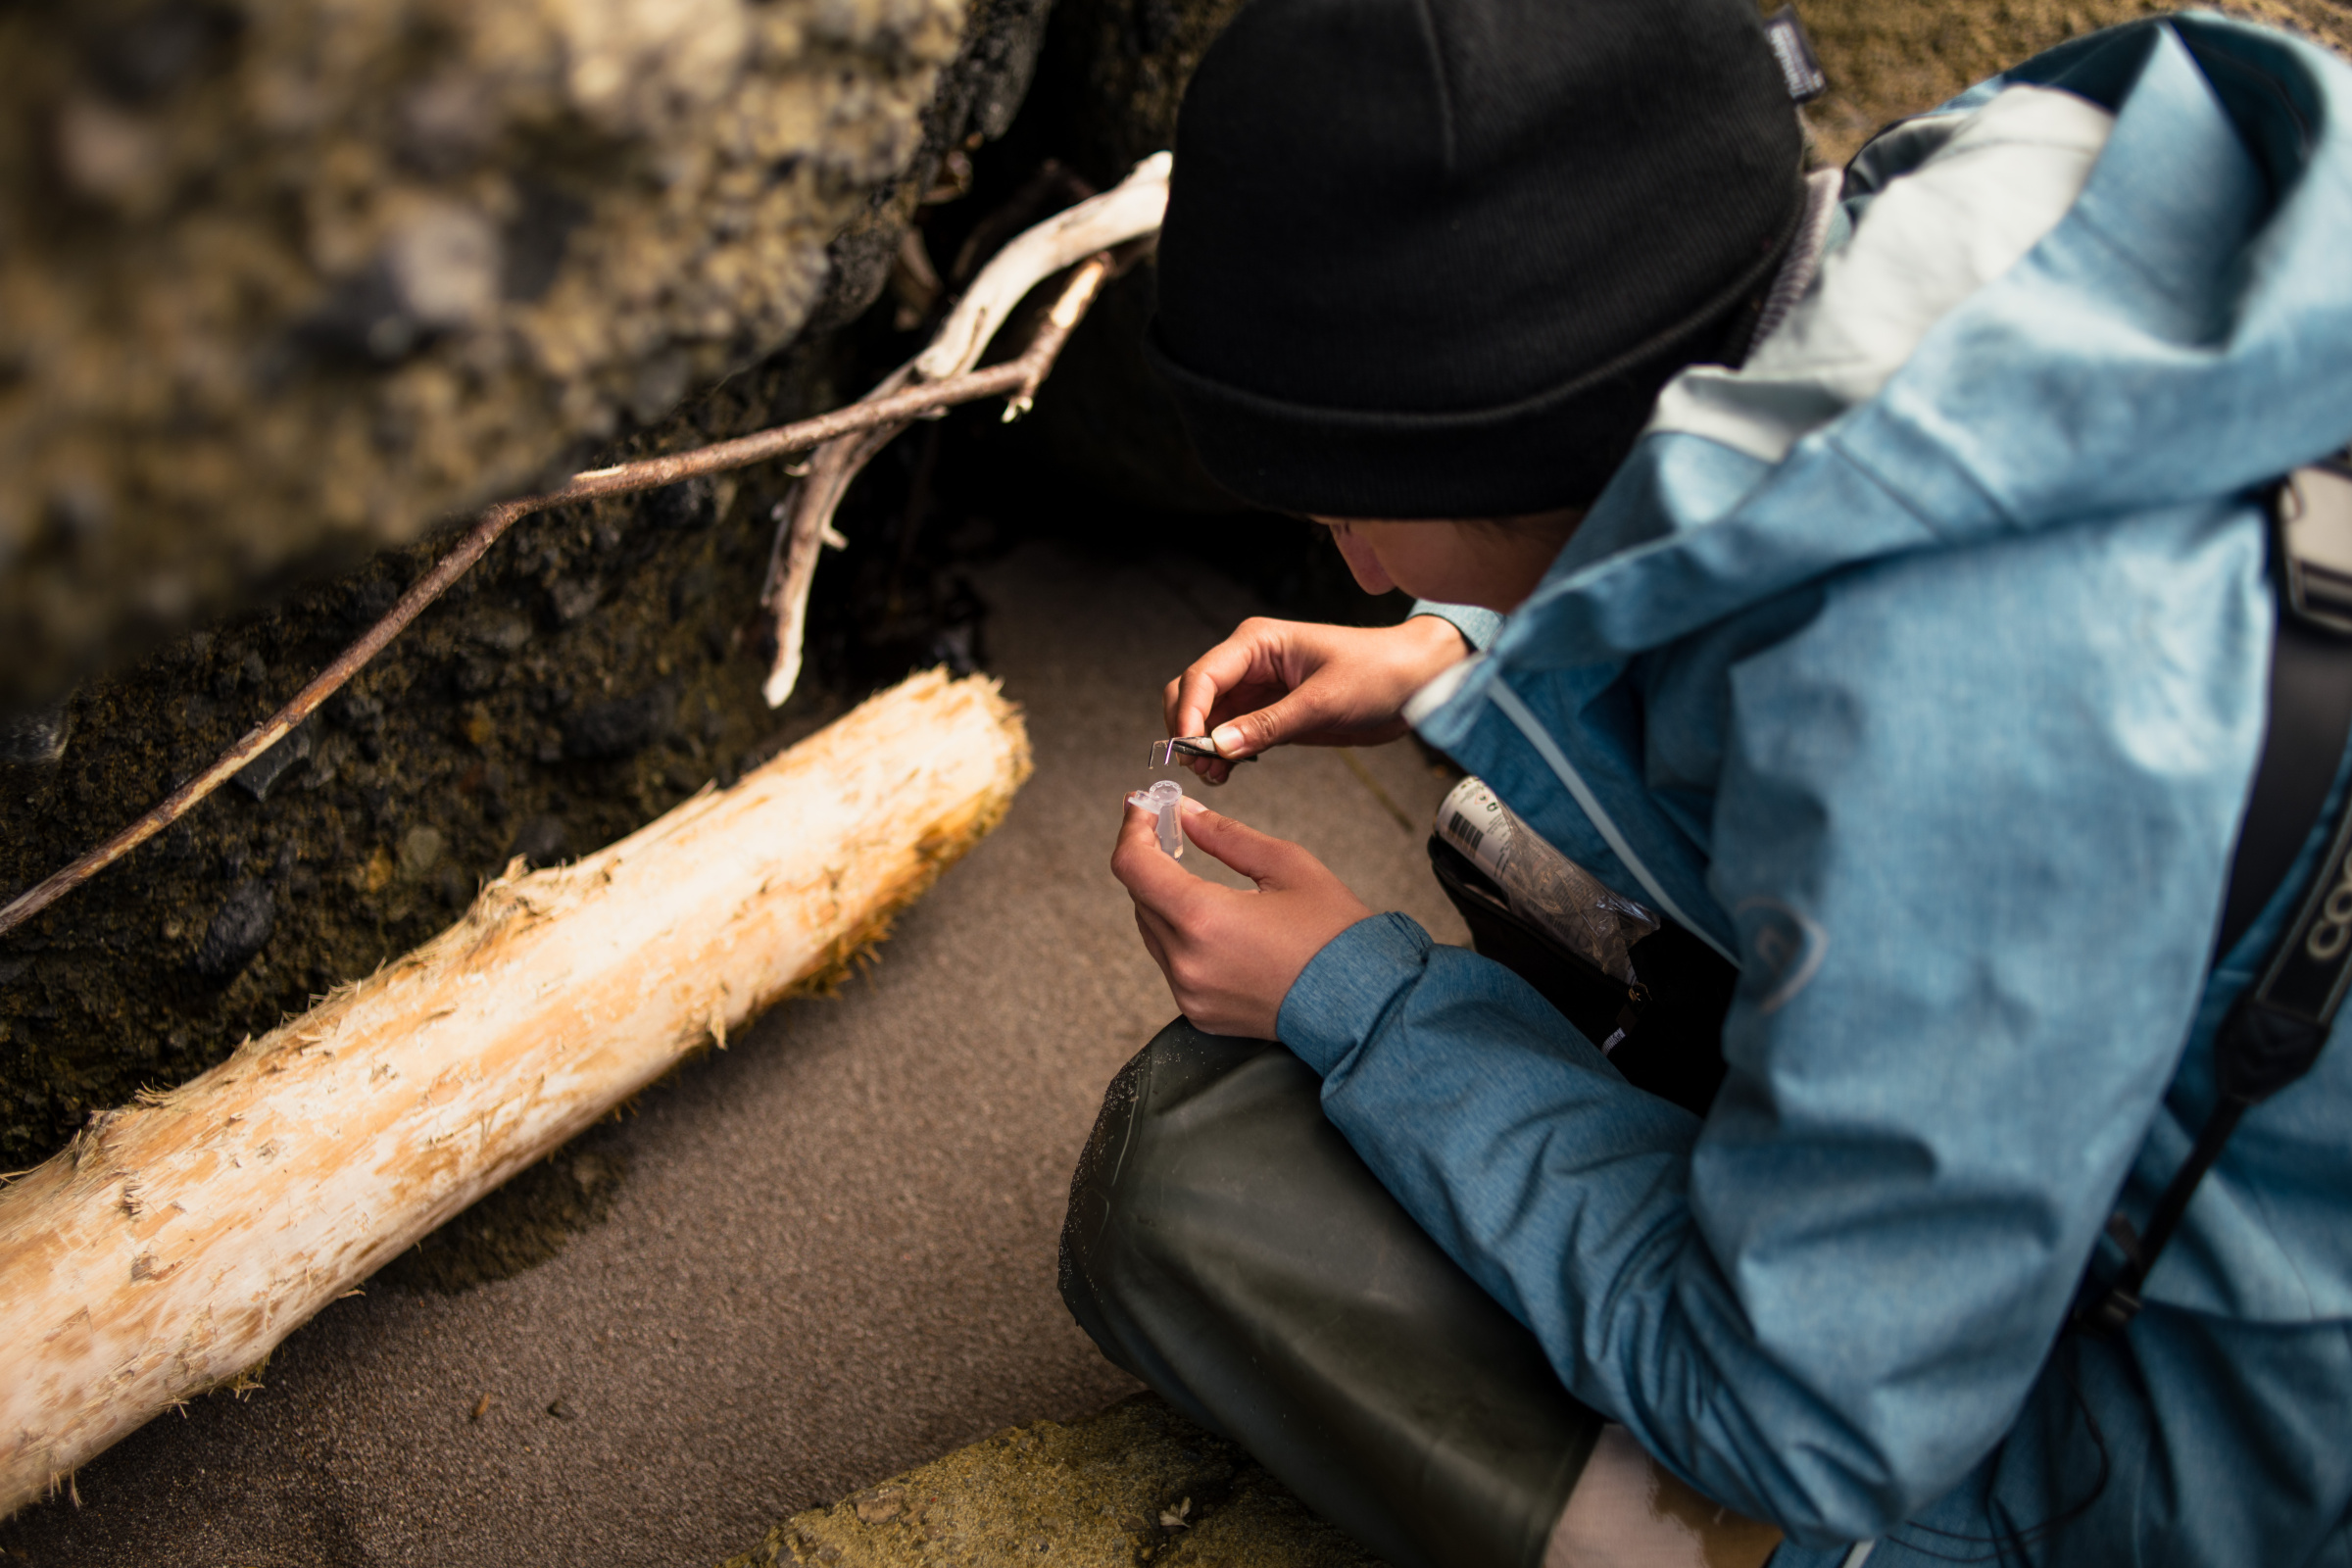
[(282, 283)]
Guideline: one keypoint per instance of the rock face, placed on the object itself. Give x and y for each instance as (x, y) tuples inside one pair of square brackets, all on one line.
[(1117, 70), (1122, 66), (279, 277)]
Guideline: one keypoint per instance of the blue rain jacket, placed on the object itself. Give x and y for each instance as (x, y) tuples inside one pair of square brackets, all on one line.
[(1941, 724)]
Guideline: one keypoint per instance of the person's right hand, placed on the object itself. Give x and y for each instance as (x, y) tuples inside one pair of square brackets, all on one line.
[(1277, 682)]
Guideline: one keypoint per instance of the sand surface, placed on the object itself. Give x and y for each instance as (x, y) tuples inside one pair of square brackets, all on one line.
[(834, 1254)]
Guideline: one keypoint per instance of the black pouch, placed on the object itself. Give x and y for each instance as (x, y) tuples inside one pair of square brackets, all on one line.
[(1667, 1029)]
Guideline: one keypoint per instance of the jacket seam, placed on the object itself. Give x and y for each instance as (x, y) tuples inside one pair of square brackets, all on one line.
[(1835, 440)]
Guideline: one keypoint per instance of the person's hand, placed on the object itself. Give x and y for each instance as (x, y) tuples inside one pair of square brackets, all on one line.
[(1230, 953), (1278, 681)]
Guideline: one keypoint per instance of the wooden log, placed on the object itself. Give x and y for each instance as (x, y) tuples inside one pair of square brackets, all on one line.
[(176, 1242)]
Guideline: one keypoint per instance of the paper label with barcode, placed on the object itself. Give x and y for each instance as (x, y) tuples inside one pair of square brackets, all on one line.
[(1473, 821)]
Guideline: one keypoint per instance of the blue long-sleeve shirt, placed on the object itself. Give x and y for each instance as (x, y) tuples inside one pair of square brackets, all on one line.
[(1929, 688)]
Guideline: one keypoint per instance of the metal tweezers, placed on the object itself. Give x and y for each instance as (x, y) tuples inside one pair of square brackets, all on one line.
[(1164, 753)]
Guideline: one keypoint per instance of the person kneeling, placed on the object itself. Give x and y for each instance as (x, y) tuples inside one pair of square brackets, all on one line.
[(1868, 574)]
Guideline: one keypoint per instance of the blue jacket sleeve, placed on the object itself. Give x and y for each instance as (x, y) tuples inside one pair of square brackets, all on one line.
[(1975, 877)]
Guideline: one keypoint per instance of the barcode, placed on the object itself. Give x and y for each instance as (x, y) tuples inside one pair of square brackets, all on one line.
[(1462, 833)]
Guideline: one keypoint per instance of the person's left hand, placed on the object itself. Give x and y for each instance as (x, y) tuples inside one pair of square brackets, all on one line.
[(1231, 955)]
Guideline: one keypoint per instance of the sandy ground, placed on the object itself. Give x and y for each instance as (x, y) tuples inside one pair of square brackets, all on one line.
[(834, 1255)]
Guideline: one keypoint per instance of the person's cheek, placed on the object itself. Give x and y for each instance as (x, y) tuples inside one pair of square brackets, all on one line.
[(1363, 561), (1426, 560)]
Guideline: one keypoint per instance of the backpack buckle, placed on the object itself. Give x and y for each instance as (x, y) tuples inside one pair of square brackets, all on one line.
[(2107, 1314), (2311, 516)]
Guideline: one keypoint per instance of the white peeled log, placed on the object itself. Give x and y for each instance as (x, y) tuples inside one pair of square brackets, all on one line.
[(1127, 211), (176, 1243)]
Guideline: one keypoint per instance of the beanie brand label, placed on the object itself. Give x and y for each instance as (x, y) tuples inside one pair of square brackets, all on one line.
[(1794, 51)]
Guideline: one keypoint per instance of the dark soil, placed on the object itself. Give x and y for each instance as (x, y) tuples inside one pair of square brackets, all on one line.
[(599, 664)]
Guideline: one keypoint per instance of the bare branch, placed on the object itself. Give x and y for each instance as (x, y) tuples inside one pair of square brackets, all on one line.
[(806, 528), (1131, 208)]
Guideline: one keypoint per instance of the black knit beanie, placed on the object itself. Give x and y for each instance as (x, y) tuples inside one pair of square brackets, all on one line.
[(1435, 258)]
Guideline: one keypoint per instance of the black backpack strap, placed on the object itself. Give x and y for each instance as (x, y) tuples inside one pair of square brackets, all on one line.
[(2310, 690), (2278, 1028)]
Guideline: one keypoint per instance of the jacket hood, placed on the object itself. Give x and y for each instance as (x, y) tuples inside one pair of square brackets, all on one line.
[(2181, 338), (2184, 332)]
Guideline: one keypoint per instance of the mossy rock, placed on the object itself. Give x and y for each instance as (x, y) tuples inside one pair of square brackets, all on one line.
[(284, 284), (1891, 58), (1134, 1485)]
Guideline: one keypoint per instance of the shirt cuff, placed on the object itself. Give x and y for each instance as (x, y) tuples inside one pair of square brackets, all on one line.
[(1337, 1002), (1477, 626)]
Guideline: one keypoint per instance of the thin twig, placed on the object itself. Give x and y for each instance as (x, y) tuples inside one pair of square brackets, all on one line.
[(1053, 178), (805, 524), (1132, 208), (1127, 215), (1017, 379)]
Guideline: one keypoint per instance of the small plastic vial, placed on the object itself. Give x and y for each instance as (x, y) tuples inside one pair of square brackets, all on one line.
[(1165, 799)]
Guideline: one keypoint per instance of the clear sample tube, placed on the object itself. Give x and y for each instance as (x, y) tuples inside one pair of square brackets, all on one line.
[(1164, 800), (1544, 887)]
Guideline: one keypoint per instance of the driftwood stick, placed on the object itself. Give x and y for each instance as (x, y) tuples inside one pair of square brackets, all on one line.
[(807, 522), (1017, 379), (805, 526), (176, 1242), (1131, 208), (988, 236)]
